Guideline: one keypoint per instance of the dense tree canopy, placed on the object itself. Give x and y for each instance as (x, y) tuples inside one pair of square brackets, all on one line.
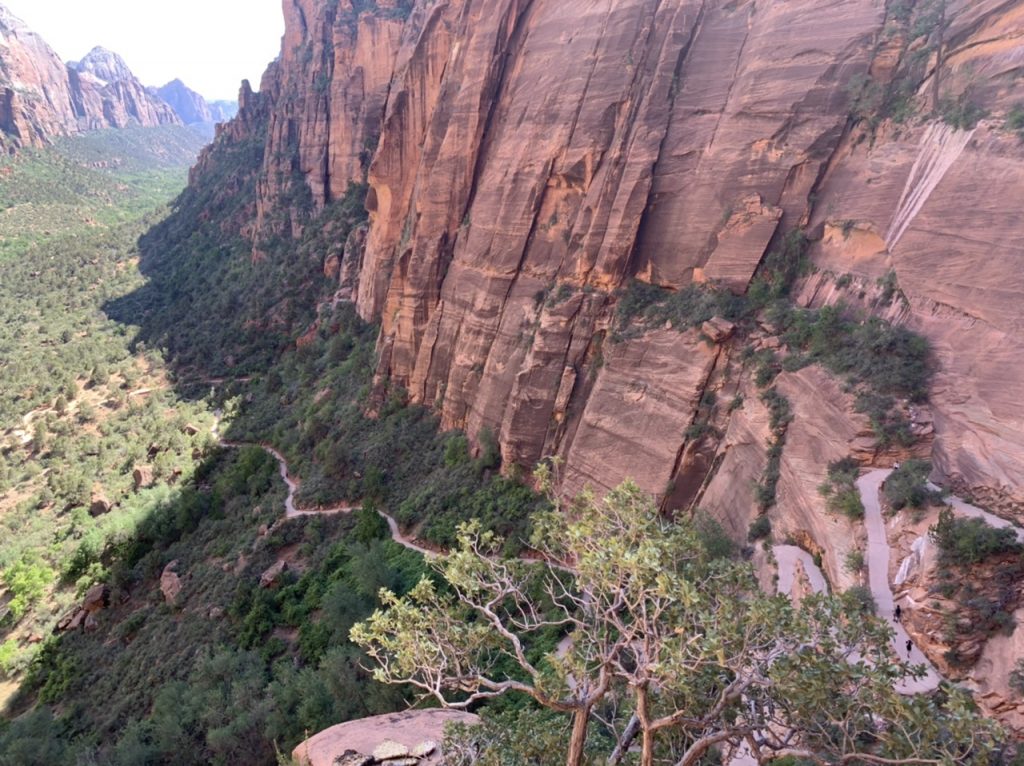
[(698, 657)]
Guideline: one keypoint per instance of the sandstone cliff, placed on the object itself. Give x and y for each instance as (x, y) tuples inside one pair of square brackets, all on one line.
[(526, 160), (42, 98), (529, 149)]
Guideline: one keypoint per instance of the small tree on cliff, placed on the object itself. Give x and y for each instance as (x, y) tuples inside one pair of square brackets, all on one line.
[(707, 659)]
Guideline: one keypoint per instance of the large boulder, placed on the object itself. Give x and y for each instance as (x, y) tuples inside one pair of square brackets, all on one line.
[(170, 583), (412, 736), (96, 599), (142, 476), (272, 576), (99, 505)]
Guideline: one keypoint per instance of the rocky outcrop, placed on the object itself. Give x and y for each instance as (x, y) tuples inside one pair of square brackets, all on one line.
[(99, 505), (328, 89), (592, 202), (408, 738), (521, 151), (170, 583), (41, 98), (35, 101), (84, 616), (222, 111), (192, 109), (108, 95), (272, 576), (142, 477)]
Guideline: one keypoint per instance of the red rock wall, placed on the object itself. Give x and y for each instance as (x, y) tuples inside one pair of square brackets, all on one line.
[(534, 155), (580, 144)]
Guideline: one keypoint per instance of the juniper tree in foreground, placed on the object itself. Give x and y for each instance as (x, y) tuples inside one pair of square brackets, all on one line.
[(706, 660)]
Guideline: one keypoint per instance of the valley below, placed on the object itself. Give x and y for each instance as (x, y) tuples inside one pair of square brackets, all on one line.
[(636, 379)]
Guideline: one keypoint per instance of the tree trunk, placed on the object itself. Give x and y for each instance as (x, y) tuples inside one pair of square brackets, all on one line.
[(578, 740), (646, 735), (647, 745), (625, 741)]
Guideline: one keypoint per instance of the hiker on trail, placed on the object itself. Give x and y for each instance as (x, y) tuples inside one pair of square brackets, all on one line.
[(898, 614), (910, 647)]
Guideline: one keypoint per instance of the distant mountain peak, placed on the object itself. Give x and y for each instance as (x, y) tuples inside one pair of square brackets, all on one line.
[(192, 108), (8, 21), (104, 64), (47, 98)]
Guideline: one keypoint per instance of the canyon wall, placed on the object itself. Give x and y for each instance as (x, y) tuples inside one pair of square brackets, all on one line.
[(527, 159), (41, 98)]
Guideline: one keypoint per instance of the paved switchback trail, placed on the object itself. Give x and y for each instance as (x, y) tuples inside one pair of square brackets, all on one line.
[(787, 556), (870, 485)]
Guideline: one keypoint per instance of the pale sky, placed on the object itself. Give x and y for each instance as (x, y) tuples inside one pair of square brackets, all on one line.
[(211, 45)]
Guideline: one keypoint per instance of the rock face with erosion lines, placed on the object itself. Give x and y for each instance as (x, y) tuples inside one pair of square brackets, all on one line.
[(526, 160)]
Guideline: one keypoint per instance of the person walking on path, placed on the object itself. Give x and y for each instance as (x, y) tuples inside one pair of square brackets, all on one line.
[(898, 614), (910, 647)]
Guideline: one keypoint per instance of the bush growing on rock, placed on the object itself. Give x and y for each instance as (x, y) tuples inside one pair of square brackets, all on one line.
[(964, 542), (840, 489), (907, 486), (760, 528)]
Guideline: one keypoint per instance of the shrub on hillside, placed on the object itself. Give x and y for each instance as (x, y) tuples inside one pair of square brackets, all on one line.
[(907, 486), (760, 528), (964, 542), (840, 488)]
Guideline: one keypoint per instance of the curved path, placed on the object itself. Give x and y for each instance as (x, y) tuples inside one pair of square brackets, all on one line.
[(786, 558), (292, 511), (870, 485)]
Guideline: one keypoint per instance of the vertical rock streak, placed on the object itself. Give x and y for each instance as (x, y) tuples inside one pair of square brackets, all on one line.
[(941, 147)]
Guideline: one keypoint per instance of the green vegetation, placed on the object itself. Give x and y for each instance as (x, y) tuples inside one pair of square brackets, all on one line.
[(26, 580), (760, 529), (312, 408), (923, 27), (873, 354), (907, 486), (1015, 120), (780, 415), (230, 672), (233, 669), (854, 562), (879, 362), (964, 542), (517, 736), (1017, 677), (79, 410), (643, 305), (253, 308), (860, 600), (980, 570), (664, 633), (962, 113), (840, 490), (89, 182)]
